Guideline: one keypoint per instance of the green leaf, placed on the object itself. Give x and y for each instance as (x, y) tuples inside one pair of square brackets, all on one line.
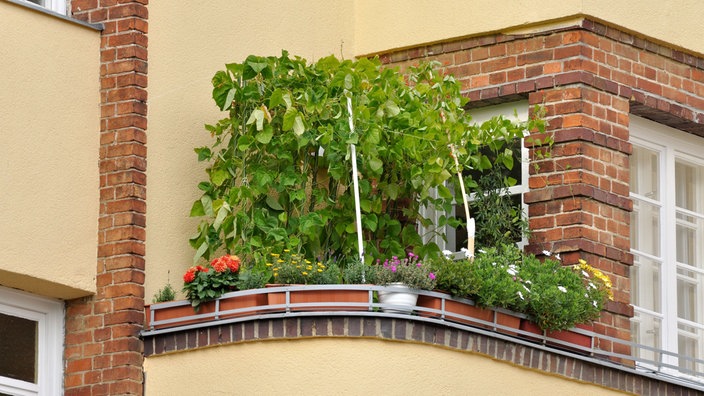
[(276, 98), (200, 252), (244, 142), (228, 100), (264, 137), (298, 127), (222, 212), (258, 117), (218, 176), (391, 109), (375, 165), (207, 203), (444, 192), (197, 209), (203, 153), (289, 119), (273, 203)]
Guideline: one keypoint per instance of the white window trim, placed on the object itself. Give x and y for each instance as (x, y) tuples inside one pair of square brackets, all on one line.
[(679, 145), (57, 6), (49, 314)]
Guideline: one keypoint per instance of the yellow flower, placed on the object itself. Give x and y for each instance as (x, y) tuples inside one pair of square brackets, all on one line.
[(307, 261), (275, 255), (276, 274), (269, 264), (581, 261), (279, 261), (310, 267), (319, 270), (304, 273), (286, 250)]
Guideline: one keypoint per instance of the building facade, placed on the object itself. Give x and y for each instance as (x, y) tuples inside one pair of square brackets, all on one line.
[(128, 84)]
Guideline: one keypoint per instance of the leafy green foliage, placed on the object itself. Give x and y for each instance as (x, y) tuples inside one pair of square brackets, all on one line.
[(167, 293), (279, 166)]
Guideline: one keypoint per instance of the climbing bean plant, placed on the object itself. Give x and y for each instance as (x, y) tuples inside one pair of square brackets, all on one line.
[(279, 166)]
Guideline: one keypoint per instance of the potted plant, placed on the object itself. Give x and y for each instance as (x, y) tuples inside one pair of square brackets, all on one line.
[(404, 275), (291, 268)]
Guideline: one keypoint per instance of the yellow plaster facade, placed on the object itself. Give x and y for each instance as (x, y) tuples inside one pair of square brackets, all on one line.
[(49, 126), (337, 366)]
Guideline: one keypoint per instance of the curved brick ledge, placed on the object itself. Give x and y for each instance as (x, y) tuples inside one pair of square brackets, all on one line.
[(404, 330)]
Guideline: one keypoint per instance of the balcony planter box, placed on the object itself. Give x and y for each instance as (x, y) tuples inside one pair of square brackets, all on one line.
[(403, 298), (206, 312), (458, 308), (302, 296), (568, 336)]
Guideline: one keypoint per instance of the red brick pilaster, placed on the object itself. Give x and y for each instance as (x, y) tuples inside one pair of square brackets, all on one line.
[(579, 203), (103, 353)]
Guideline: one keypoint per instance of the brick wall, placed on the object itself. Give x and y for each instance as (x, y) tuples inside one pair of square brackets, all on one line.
[(103, 351), (590, 78)]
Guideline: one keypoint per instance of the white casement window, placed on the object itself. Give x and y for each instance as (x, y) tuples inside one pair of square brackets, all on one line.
[(667, 242), (31, 344), (457, 237), (58, 6)]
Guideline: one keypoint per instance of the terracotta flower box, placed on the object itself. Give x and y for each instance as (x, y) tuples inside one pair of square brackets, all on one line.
[(341, 296)]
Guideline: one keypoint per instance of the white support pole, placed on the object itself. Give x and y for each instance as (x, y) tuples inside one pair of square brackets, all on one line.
[(355, 184)]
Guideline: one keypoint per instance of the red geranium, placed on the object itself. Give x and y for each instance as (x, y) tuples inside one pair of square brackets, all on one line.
[(190, 275)]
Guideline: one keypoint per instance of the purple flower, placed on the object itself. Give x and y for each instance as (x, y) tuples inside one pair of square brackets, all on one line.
[(393, 268), (431, 275), (419, 264), (411, 255)]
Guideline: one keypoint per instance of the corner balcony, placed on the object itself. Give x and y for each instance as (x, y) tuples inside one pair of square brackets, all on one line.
[(437, 319)]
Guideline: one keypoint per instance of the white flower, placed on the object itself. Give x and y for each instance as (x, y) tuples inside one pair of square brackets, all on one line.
[(557, 256), (562, 289), (595, 304), (512, 270), (592, 285), (494, 264), (585, 273), (520, 295), (545, 252), (529, 282), (466, 252), (482, 251), (527, 289), (447, 253)]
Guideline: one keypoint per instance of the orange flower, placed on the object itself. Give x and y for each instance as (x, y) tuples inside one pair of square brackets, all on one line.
[(190, 275)]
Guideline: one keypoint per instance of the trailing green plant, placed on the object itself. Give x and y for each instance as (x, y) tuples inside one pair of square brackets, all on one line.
[(558, 297), (453, 276), (164, 294), (495, 279), (279, 170)]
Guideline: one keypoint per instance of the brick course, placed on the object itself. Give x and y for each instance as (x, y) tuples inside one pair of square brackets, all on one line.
[(589, 77), (103, 352)]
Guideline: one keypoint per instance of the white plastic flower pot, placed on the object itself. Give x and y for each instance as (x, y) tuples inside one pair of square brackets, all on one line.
[(402, 300)]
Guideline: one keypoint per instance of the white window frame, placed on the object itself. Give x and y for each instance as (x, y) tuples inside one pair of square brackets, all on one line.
[(58, 6), (517, 111), (49, 315), (671, 145)]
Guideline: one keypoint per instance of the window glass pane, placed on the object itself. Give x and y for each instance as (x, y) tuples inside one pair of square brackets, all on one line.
[(646, 283), (690, 345), (690, 305), (645, 330), (18, 340), (645, 172), (689, 185), (645, 227), (690, 238)]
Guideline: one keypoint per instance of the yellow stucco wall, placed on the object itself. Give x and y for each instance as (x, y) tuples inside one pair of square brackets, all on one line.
[(187, 45), (384, 25), (336, 366), (49, 127)]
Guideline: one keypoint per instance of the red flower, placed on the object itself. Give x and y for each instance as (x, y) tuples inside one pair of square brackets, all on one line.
[(232, 262), (219, 264), (190, 275)]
